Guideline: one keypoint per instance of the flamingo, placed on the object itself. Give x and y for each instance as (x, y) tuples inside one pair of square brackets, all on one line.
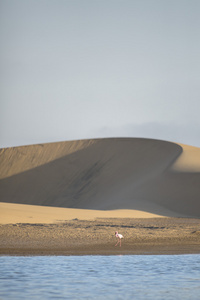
[(119, 237)]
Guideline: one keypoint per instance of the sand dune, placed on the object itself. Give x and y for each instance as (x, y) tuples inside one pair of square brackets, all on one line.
[(144, 175), (33, 214)]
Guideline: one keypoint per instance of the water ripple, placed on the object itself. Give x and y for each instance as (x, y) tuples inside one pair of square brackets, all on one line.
[(99, 277)]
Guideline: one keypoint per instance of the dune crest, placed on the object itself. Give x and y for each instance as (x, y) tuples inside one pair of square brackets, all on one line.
[(102, 174), (189, 160)]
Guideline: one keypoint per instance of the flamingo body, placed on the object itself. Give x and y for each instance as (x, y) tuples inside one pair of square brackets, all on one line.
[(118, 235)]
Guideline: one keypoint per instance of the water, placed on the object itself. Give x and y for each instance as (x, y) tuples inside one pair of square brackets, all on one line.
[(100, 277)]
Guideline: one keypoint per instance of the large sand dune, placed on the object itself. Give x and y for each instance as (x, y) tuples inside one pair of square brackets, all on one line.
[(147, 175)]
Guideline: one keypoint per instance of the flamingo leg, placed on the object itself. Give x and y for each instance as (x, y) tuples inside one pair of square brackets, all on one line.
[(118, 242)]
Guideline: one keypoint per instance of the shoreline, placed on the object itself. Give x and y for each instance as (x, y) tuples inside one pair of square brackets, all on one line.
[(174, 250), (150, 236)]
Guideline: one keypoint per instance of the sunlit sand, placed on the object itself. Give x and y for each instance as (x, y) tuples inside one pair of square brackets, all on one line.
[(19, 213), (79, 184)]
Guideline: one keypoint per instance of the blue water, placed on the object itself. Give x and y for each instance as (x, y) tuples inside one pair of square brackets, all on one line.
[(100, 277)]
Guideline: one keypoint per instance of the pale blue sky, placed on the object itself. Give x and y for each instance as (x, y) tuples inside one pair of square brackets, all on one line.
[(74, 69)]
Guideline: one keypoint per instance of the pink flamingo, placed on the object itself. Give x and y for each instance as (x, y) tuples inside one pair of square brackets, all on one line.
[(119, 237)]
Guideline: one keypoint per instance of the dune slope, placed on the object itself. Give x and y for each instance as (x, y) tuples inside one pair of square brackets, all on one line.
[(102, 174)]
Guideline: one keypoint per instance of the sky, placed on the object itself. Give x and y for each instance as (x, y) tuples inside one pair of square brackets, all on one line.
[(79, 69)]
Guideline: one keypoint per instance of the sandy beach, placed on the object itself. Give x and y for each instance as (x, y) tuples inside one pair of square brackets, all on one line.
[(69, 198), (97, 237), (38, 230)]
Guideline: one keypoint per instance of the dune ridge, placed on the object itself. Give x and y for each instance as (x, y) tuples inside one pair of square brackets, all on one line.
[(145, 175), (189, 160)]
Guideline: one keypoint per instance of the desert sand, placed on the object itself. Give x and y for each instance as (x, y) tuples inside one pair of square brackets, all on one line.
[(70, 197)]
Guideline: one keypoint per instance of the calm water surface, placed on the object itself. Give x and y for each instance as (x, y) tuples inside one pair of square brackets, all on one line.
[(100, 277)]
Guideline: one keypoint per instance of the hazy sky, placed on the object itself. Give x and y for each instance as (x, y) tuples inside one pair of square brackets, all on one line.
[(74, 69)]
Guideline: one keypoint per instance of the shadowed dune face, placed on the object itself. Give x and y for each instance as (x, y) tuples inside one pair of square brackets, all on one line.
[(100, 174), (16, 160)]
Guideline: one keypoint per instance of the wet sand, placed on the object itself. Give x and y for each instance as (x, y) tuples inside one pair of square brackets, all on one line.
[(96, 237)]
